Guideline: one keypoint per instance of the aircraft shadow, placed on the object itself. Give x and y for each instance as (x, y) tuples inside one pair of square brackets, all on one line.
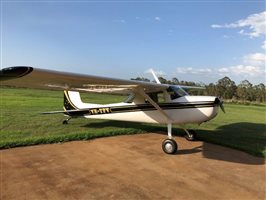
[(119, 124), (190, 151), (240, 136), (235, 135)]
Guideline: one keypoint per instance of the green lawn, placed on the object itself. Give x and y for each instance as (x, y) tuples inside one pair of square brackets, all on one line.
[(242, 127)]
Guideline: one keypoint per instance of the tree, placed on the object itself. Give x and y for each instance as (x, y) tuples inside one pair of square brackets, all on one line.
[(211, 89), (260, 92), (226, 88), (175, 81), (244, 91), (140, 79), (163, 80)]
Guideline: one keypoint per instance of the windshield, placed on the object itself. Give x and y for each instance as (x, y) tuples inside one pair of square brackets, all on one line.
[(176, 92)]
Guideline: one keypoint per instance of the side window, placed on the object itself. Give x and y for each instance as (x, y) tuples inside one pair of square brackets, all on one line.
[(173, 94), (176, 92), (154, 97), (157, 97)]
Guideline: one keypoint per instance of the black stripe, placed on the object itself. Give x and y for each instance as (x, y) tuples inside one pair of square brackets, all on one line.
[(143, 107)]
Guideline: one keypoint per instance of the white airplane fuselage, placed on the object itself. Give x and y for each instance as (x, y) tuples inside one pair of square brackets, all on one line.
[(183, 110), (179, 115)]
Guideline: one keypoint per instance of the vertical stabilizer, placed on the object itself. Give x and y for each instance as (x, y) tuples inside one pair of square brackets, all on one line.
[(72, 101), (68, 104)]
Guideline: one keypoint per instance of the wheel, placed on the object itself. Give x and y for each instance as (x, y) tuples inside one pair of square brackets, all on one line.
[(192, 135), (169, 146), (65, 122)]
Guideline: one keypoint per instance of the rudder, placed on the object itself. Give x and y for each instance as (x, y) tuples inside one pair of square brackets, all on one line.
[(68, 104)]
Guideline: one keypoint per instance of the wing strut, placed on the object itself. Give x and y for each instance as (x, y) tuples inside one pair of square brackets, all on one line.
[(166, 116), (169, 121)]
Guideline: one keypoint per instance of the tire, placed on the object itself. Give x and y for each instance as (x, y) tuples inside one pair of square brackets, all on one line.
[(65, 122), (169, 146)]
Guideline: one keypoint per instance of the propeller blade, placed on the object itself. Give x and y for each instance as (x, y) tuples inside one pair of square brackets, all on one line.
[(222, 106), (219, 102)]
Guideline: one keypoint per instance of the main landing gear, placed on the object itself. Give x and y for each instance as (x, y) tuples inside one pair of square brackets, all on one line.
[(170, 146)]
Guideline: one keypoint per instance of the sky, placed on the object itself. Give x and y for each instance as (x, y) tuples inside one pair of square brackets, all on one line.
[(199, 41)]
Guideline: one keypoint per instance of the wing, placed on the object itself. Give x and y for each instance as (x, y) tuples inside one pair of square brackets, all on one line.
[(36, 78), (48, 79)]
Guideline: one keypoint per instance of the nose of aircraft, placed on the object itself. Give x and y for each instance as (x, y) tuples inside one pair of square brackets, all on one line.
[(219, 102)]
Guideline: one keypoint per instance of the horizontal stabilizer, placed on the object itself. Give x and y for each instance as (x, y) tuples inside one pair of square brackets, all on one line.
[(64, 111), (54, 112)]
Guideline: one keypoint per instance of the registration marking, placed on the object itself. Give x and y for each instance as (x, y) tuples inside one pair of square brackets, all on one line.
[(96, 111)]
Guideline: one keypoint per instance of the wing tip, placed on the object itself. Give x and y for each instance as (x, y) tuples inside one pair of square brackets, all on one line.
[(14, 72)]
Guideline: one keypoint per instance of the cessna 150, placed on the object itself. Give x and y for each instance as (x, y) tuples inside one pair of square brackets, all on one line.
[(142, 104)]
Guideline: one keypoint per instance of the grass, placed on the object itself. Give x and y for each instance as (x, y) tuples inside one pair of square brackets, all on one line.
[(242, 127)]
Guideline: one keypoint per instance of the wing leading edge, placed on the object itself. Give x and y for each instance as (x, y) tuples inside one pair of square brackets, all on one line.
[(36, 78)]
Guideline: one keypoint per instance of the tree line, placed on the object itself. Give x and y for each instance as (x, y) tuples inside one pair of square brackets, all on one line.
[(224, 88)]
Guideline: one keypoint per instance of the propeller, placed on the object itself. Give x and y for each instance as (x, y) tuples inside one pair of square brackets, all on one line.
[(219, 102), (222, 106)]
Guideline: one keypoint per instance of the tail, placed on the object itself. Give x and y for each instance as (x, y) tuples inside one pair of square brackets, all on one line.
[(72, 101), (68, 104), (72, 104)]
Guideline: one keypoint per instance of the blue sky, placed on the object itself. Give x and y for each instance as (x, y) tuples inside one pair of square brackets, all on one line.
[(191, 40)]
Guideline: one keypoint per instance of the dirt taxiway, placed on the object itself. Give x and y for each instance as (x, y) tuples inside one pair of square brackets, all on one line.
[(130, 167)]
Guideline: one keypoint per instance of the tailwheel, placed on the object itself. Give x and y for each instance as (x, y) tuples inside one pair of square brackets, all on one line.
[(191, 135), (169, 146)]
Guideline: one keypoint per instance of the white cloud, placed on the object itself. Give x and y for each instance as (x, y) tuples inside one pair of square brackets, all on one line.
[(157, 18), (227, 36), (216, 26), (253, 65), (253, 25), (255, 59), (182, 70), (158, 73), (241, 70), (190, 70), (223, 70), (238, 70), (205, 71), (264, 45), (119, 21)]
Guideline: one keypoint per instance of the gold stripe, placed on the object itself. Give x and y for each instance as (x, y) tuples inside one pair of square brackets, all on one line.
[(25, 73)]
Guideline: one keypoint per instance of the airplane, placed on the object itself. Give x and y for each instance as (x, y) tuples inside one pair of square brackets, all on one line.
[(147, 102)]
